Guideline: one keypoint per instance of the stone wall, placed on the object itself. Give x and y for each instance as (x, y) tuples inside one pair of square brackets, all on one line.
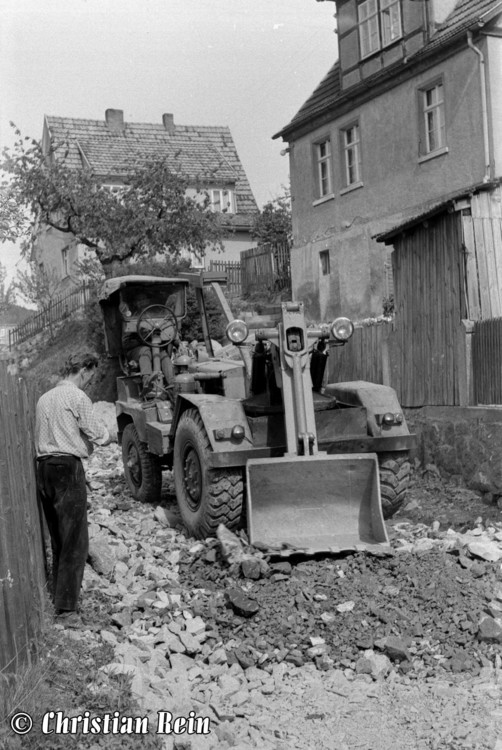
[(465, 443)]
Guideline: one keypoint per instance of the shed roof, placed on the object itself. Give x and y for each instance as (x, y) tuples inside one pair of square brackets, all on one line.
[(205, 154), (465, 15), (432, 209)]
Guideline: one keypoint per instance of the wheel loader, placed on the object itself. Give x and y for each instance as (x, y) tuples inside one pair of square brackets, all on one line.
[(253, 433)]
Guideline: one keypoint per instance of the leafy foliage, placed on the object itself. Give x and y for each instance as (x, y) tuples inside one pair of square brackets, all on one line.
[(7, 295), (37, 285), (151, 213), (273, 225)]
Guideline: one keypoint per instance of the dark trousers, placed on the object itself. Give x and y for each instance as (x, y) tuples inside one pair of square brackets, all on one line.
[(62, 488)]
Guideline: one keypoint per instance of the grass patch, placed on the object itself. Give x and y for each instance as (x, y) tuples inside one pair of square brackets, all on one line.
[(66, 678)]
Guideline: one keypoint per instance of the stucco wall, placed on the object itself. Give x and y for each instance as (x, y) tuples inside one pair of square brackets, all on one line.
[(465, 443), (396, 185), (233, 248)]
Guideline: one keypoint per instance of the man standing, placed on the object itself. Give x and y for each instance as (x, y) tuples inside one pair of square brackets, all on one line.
[(65, 429)]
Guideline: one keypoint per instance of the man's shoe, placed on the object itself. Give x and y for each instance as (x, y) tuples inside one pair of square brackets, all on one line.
[(69, 619)]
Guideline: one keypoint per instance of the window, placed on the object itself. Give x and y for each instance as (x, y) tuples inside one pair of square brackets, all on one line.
[(433, 118), (379, 24), (324, 260), (351, 147), (222, 201), (322, 152), (64, 261)]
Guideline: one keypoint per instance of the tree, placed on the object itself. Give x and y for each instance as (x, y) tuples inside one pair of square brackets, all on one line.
[(7, 296), (12, 220), (150, 214), (273, 224), (40, 287)]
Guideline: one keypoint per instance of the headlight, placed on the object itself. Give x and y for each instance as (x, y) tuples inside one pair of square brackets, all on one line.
[(237, 331), (342, 329), (238, 432)]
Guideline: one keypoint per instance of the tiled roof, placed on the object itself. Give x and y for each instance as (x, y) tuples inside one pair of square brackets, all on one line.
[(465, 14), (202, 153)]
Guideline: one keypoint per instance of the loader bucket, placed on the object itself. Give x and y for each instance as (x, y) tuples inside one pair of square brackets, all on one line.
[(321, 503)]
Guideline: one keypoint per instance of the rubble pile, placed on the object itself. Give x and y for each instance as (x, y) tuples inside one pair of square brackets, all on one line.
[(224, 630), (419, 613)]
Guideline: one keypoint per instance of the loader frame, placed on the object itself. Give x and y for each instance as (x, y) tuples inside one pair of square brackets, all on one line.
[(235, 428)]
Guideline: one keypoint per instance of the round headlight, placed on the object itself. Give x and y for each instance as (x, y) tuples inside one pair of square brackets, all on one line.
[(238, 432), (342, 329), (237, 331), (388, 418)]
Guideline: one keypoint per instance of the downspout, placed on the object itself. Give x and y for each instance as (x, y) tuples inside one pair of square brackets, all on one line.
[(484, 106)]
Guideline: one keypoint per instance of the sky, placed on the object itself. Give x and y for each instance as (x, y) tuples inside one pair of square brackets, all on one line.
[(247, 64)]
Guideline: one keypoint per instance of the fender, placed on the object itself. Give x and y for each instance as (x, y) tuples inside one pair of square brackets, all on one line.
[(219, 415), (377, 400)]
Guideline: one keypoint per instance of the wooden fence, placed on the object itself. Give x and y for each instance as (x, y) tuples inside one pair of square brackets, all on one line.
[(364, 357), (232, 268), (487, 361), (373, 354), (57, 310), (266, 268), (22, 563)]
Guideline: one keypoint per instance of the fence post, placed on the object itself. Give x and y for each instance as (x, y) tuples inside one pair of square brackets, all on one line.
[(466, 394)]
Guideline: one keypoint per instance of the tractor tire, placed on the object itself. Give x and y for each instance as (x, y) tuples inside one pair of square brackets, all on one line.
[(142, 469), (206, 497), (394, 480)]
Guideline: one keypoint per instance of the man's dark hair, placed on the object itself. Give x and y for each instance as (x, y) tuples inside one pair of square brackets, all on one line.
[(76, 361)]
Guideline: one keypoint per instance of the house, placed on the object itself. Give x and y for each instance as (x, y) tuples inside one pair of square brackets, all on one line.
[(408, 120), (108, 147)]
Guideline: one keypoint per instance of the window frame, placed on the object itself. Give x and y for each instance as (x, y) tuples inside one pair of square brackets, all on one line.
[(427, 149), (374, 21), (323, 169), (345, 149), (325, 262), (216, 206), (65, 262)]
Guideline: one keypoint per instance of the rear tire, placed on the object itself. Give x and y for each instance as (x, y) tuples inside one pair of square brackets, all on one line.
[(142, 469), (395, 472), (206, 497)]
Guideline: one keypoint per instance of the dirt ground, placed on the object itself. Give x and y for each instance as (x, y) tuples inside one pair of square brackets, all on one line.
[(355, 651)]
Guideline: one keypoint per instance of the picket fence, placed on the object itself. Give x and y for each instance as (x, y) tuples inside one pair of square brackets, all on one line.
[(58, 309)]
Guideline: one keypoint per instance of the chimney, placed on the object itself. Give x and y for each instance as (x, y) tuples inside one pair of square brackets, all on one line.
[(441, 9), (115, 120), (168, 122)]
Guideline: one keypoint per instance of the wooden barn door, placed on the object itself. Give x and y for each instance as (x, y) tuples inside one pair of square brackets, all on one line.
[(429, 340)]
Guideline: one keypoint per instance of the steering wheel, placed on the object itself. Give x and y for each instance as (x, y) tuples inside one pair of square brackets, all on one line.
[(157, 320)]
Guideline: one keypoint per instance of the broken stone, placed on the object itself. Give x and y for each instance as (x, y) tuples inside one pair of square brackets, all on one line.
[(246, 656), (485, 549), (394, 647), (219, 656), (160, 516), (228, 684), (192, 645), (242, 604), (284, 568), (100, 556), (232, 548), (196, 626), (490, 630), (254, 568)]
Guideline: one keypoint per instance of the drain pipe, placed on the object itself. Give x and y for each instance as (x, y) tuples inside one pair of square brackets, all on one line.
[(484, 106)]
